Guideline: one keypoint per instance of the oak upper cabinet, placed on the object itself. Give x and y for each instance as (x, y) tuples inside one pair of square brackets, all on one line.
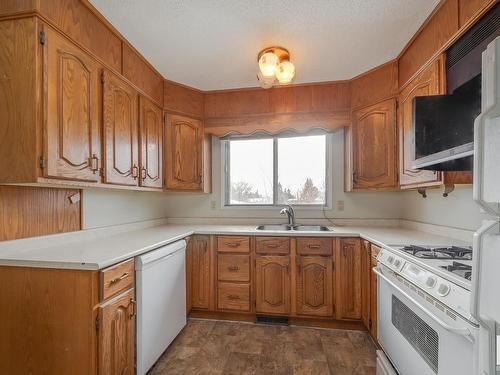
[(348, 278), (272, 284), (72, 130), (314, 286), (117, 335), (186, 161), (374, 151), (151, 143), (365, 282), (121, 145), (201, 272), (429, 82)]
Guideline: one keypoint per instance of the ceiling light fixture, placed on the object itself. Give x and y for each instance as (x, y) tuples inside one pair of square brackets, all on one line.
[(274, 65)]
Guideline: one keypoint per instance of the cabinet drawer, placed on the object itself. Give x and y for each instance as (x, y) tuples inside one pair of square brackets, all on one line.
[(233, 244), (116, 278), (314, 246), (233, 267), (233, 296), (272, 245)]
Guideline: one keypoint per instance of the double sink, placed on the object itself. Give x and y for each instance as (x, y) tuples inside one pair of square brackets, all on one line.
[(294, 228)]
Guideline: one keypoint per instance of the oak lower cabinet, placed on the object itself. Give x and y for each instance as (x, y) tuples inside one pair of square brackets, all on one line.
[(201, 273), (373, 292), (187, 155), (151, 144), (365, 282), (116, 328), (314, 287), (374, 147), (272, 285), (348, 278)]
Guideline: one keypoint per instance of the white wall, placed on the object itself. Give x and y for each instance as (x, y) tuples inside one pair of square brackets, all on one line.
[(458, 210), (369, 205), (103, 207)]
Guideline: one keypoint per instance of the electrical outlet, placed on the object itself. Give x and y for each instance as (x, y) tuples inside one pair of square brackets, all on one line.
[(340, 205), (213, 205)]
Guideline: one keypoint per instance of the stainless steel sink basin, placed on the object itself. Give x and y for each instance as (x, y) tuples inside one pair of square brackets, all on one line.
[(283, 227), (298, 228), (311, 228)]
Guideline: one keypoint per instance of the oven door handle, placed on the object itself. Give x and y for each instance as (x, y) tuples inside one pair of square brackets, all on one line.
[(465, 332)]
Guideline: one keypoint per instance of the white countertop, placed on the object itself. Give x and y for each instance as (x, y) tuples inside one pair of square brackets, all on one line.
[(95, 249)]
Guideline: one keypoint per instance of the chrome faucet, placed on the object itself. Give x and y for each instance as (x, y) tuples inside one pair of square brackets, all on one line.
[(288, 210)]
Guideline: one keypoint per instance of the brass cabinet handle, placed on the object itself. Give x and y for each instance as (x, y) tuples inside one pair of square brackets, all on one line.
[(144, 173), (118, 279), (233, 268), (135, 171), (233, 297), (94, 163), (133, 303), (313, 246), (233, 244)]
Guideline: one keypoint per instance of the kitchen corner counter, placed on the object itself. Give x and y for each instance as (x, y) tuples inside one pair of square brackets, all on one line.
[(95, 249)]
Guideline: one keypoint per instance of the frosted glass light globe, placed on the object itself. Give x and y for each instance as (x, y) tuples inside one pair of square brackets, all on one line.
[(285, 72), (268, 64)]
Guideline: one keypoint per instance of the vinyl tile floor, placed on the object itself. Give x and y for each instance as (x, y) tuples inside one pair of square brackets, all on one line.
[(221, 347)]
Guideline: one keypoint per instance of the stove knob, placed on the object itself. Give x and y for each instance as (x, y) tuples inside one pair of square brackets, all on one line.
[(431, 282), (390, 259), (397, 262), (443, 290)]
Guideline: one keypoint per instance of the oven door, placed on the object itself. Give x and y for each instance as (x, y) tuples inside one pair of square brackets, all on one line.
[(417, 338)]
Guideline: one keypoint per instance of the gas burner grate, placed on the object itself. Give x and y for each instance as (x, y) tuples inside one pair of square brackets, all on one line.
[(439, 252), (460, 269)]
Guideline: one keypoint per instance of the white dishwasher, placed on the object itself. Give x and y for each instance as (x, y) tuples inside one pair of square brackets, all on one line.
[(161, 301)]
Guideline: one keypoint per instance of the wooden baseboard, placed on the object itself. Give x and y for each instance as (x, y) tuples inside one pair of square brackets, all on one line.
[(356, 325)]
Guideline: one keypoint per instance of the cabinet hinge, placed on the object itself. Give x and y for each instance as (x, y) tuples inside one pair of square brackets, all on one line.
[(41, 37), (164, 118), (97, 322), (41, 162), (333, 266), (103, 77), (369, 323)]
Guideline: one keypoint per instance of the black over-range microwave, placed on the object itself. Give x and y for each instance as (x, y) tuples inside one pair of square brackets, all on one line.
[(443, 125)]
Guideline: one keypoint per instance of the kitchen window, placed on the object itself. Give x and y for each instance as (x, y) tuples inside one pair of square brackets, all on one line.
[(276, 170)]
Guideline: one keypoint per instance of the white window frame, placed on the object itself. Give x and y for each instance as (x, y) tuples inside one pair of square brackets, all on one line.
[(225, 188)]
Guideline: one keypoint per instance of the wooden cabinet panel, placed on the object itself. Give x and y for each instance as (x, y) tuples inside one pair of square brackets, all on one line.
[(272, 245), (201, 276), (348, 278), (233, 244), (468, 9), (72, 130), (231, 267), (314, 246), (365, 282), (272, 284), (151, 144), (429, 82), (189, 274), (121, 144), (184, 153), (116, 278), (374, 146), (314, 286), (141, 74), (178, 98), (373, 300), (117, 335), (431, 37), (231, 296)]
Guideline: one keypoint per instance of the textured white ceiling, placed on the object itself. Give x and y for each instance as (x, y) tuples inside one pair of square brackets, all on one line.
[(213, 44)]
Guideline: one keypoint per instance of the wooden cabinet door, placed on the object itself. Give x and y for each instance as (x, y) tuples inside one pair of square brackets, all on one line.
[(314, 285), (429, 82), (117, 335), (151, 139), (184, 148), (121, 145), (272, 285), (365, 282), (374, 146), (72, 147), (201, 276), (373, 300), (348, 282)]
